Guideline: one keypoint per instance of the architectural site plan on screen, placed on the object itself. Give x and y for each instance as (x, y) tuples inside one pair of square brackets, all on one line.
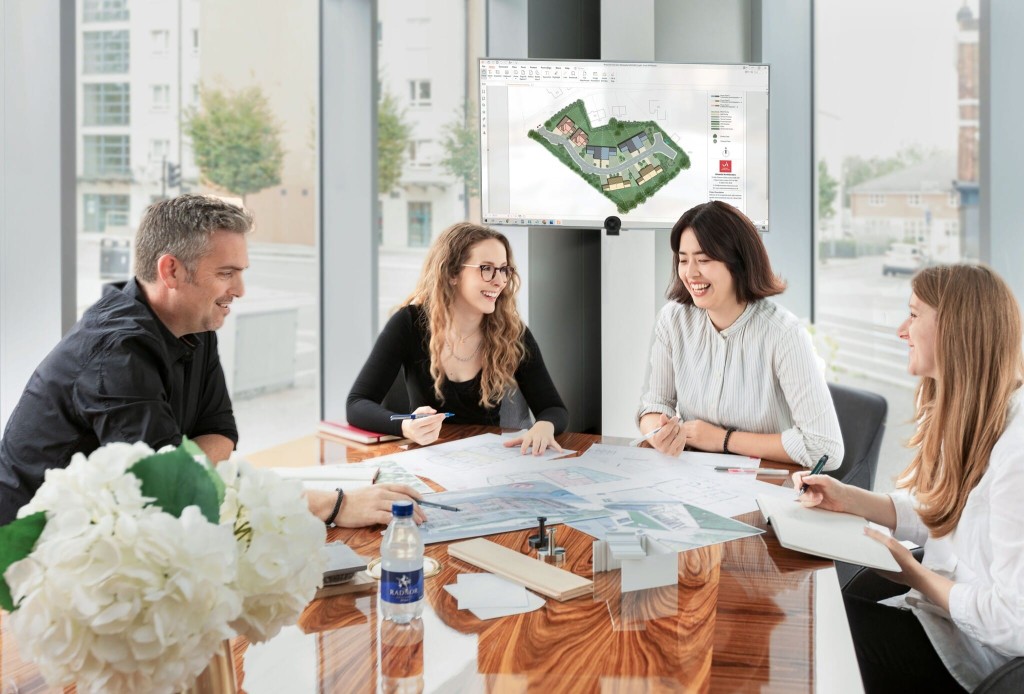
[(572, 142)]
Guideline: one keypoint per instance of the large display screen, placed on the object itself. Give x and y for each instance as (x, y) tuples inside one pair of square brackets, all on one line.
[(569, 143)]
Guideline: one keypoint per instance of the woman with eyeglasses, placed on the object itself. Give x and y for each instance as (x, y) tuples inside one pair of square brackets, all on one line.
[(464, 348), (731, 371), (960, 497)]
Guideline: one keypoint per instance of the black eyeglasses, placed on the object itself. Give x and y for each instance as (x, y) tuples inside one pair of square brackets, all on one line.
[(487, 272)]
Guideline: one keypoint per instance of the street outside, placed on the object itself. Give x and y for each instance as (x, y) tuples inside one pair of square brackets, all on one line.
[(858, 311)]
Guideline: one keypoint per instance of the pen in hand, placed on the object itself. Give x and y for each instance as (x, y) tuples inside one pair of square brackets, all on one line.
[(397, 417), (435, 504), (817, 469), (649, 434)]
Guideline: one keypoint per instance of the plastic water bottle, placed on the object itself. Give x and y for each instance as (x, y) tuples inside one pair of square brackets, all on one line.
[(401, 563)]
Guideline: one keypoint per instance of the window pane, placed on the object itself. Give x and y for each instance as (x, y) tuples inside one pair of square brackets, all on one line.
[(106, 103), (419, 224), (107, 156), (897, 141), (130, 128), (101, 211), (105, 52), (104, 10), (428, 132)]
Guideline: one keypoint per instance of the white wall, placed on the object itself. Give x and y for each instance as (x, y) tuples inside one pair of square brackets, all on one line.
[(37, 276)]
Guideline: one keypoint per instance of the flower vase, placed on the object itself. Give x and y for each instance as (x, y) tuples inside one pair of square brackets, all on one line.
[(219, 675)]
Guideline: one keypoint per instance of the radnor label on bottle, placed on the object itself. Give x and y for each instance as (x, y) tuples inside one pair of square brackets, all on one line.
[(401, 587)]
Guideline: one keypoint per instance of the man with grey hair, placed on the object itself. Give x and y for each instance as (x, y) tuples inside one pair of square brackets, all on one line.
[(142, 363)]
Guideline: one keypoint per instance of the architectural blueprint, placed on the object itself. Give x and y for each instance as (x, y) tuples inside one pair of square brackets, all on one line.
[(490, 510), (468, 463)]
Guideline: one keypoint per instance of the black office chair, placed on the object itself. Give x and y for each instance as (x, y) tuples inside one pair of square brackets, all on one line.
[(868, 584), (861, 416), (862, 423)]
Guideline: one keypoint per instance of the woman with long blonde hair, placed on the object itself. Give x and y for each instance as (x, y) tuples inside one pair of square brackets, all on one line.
[(466, 352), (960, 498)]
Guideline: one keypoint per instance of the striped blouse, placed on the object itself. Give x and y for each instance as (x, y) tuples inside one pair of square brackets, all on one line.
[(759, 375)]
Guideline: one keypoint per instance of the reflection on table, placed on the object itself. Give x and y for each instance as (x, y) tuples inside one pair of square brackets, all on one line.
[(741, 618)]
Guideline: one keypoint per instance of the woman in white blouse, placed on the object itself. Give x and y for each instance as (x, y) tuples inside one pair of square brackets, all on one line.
[(960, 498), (731, 371)]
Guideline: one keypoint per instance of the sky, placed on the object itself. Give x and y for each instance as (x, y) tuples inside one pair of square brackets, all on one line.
[(885, 76)]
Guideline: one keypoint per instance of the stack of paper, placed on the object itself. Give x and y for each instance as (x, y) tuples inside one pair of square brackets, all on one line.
[(488, 596), (625, 544)]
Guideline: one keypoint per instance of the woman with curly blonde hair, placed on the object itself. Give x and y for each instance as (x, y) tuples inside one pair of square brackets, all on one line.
[(960, 498), (466, 352)]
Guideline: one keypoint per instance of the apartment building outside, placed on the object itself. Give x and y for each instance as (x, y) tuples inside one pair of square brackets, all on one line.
[(136, 70)]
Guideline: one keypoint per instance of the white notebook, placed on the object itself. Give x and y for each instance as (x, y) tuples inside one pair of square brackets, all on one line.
[(330, 476), (838, 536)]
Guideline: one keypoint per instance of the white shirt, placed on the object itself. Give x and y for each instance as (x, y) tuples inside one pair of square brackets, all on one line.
[(984, 557), (759, 375)]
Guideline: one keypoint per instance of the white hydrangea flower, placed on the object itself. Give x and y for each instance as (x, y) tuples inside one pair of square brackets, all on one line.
[(281, 547), (96, 486), (125, 602)]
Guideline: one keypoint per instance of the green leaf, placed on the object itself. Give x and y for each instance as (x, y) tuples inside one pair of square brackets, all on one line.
[(17, 539), (176, 480), (193, 448)]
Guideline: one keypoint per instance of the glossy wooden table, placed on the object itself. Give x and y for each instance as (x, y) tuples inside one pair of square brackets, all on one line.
[(741, 619)]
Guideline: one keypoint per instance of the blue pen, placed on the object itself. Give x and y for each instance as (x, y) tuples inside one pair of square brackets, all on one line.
[(817, 469), (396, 417)]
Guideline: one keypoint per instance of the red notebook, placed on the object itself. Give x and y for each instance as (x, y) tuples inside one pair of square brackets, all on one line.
[(347, 431)]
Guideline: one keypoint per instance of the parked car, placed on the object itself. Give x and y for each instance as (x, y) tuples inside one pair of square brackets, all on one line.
[(903, 259)]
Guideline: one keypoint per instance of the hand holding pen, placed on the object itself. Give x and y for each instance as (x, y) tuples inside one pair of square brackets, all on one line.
[(818, 467), (423, 426), (668, 438), (821, 491)]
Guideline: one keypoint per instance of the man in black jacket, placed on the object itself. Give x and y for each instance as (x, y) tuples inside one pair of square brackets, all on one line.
[(142, 363)]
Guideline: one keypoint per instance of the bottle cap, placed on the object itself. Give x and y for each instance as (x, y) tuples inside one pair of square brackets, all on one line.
[(401, 508)]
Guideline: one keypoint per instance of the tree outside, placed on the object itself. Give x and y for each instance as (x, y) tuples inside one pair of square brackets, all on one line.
[(236, 140), (857, 169), (461, 146), (393, 133), (828, 187)]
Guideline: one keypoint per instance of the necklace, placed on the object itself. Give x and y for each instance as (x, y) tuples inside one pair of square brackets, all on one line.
[(462, 340), (451, 348)]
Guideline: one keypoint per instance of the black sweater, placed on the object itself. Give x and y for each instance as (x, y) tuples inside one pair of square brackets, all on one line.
[(404, 342)]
